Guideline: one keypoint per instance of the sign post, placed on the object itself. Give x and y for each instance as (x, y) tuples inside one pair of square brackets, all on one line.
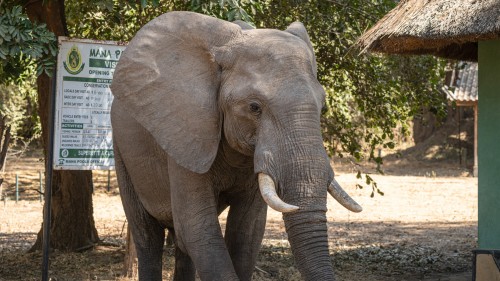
[(47, 210), (83, 136), (80, 134)]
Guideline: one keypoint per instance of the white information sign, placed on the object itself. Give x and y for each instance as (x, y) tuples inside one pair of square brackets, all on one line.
[(83, 136)]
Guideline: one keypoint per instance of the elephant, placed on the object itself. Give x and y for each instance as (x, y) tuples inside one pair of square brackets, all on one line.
[(209, 115)]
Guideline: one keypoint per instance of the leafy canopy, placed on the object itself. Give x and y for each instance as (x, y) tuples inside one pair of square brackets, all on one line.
[(24, 45), (26, 51), (370, 98)]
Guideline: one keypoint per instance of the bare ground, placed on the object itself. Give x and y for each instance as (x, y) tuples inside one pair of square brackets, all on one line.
[(423, 228)]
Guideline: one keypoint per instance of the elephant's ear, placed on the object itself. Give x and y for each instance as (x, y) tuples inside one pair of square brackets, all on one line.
[(298, 29), (168, 80)]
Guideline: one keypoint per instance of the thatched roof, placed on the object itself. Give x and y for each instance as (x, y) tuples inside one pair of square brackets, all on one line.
[(446, 28)]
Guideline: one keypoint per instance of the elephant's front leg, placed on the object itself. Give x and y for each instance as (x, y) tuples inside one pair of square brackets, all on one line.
[(245, 227), (197, 228), (184, 267)]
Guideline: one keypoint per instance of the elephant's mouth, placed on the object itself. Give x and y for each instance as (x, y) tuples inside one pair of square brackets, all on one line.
[(268, 191)]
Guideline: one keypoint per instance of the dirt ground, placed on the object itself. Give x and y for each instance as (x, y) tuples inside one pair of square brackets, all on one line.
[(423, 228)]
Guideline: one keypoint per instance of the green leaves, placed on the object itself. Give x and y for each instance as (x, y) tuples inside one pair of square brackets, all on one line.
[(121, 19), (230, 10), (369, 181), (23, 46), (117, 20), (371, 99)]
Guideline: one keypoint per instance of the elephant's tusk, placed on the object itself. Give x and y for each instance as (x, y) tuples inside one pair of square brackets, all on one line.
[(343, 198), (268, 191)]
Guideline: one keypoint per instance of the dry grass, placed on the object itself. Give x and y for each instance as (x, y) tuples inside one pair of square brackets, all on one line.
[(424, 228)]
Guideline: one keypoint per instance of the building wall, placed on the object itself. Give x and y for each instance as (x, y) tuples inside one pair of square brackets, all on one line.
[(489, 145)]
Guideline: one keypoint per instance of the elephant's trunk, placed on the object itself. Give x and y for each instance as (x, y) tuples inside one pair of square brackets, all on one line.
[(308, 237), (300, 168), (305, 187)]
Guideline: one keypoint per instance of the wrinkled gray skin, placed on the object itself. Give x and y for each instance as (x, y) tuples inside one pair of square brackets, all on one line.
[(201, 106)]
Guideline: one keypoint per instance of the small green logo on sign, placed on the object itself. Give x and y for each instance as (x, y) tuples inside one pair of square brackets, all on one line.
[(73, 63), (64, 153)]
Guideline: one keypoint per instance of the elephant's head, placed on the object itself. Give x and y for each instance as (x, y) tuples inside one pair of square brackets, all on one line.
[(193, 80)]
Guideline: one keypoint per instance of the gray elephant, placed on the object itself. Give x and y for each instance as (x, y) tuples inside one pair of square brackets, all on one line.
[(208, 115)]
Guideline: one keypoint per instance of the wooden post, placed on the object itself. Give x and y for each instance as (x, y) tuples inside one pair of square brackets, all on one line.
[(130, 263), (109, 180), (41, 185), (17, 188), (474, 169)]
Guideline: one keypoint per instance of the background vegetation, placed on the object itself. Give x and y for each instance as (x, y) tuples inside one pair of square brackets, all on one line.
[(26, 50), (370, 98)]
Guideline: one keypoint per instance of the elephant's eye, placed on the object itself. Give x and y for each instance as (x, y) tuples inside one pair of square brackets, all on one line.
[(255, 108)]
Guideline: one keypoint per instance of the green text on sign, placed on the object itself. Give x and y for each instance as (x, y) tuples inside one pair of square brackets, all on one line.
[(83, 79), (86, 153), (102, 63), (72, 126)]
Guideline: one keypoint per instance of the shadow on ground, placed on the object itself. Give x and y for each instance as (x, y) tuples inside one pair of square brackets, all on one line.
[(384, 251), (361, 250)]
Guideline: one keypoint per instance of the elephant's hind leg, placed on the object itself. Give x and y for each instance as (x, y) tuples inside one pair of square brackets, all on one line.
[(148, 234)]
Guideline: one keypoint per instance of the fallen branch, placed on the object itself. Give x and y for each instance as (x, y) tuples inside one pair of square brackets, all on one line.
[(263, 271)]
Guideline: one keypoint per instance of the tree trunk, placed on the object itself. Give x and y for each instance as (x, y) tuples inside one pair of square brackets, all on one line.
[(4, 145), (72, 223)]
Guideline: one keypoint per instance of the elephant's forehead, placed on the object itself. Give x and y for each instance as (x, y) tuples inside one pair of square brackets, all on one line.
[(270, 54), (272, 44), (269, 62), (267, 74), (271, 79)]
